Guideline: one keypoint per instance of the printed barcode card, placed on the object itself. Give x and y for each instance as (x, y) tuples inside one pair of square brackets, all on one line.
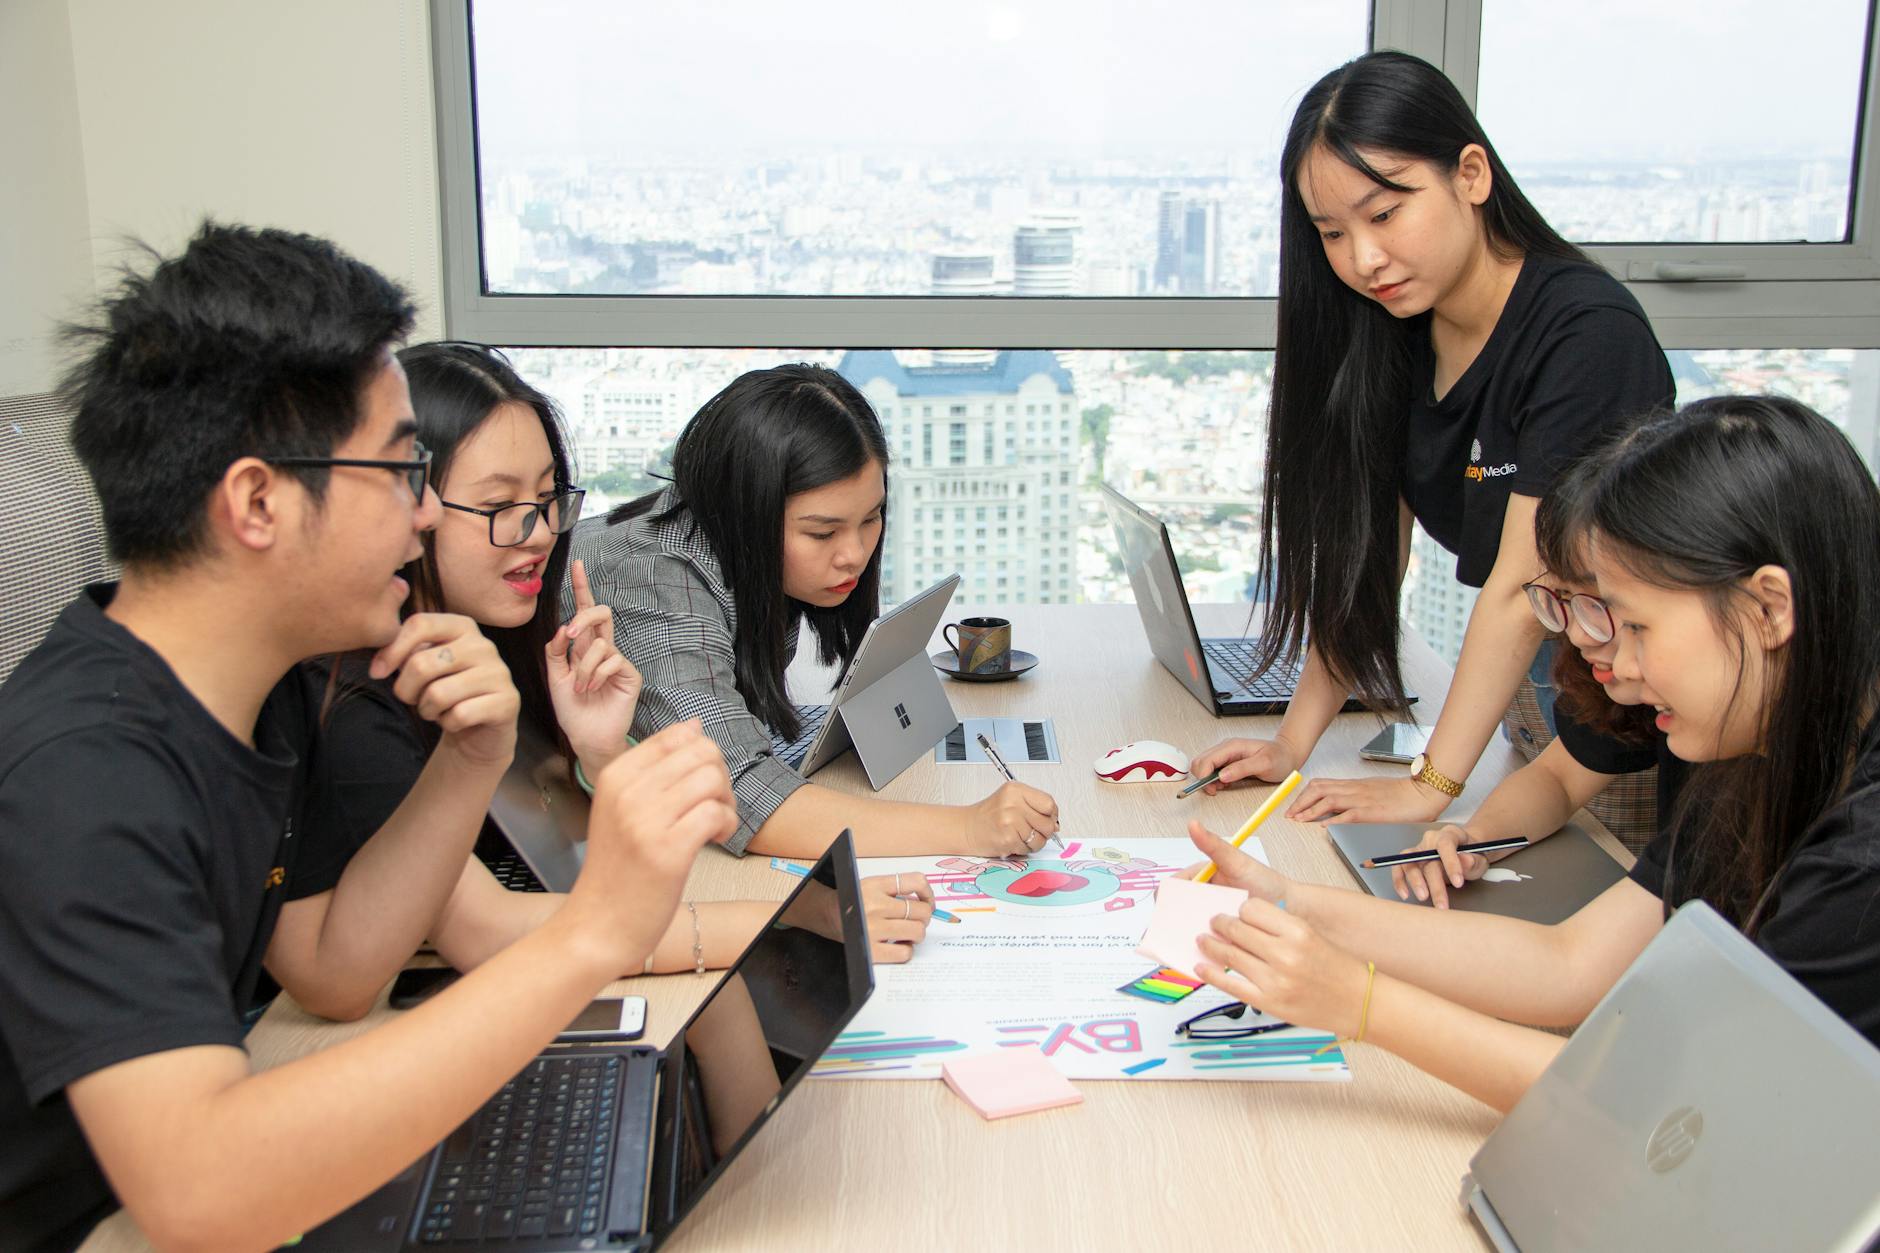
[(1018, 740)]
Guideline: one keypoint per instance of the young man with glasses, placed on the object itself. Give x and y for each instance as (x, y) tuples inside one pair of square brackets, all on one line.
[(252, 442)]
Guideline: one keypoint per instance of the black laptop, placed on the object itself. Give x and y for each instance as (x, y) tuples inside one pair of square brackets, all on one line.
[(609, 1146), (1223, 673)]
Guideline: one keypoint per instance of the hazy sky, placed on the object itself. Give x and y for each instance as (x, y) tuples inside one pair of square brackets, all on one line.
[(1090, 78)]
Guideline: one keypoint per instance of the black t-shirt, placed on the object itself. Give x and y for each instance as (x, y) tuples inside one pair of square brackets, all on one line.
[(1824, 923), (1603, 754), (1571, 355), (144, 856), (371, 754)]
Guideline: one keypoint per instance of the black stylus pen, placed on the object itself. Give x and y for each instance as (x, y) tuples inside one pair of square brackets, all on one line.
[(1430, 854)]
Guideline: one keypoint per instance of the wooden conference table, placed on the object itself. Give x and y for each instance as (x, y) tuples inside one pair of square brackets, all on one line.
[(1372, 1164)]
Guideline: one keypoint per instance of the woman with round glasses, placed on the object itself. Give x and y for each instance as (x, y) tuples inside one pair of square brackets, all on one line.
[(1606, 741), (500, 466)]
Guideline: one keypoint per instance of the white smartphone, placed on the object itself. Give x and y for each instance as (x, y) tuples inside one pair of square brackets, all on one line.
[(610, 1017), (1399, 742)]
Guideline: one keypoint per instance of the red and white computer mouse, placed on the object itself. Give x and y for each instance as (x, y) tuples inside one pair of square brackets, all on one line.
[(1142, 761)]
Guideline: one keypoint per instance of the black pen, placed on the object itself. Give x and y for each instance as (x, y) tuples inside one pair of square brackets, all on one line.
[(1430, 854), (1198, 784), (992, 755)]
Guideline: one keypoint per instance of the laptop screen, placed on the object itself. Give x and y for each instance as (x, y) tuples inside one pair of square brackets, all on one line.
[(778, 1008)]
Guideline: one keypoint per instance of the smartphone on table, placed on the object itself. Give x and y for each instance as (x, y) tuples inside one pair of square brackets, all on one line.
[(1400, 742), (609, 1017)]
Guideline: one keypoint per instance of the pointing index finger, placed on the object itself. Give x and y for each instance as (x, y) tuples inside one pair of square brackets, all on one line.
[(583, 594)]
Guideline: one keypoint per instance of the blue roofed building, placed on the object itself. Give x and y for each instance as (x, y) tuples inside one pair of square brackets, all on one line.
[(984, 476)]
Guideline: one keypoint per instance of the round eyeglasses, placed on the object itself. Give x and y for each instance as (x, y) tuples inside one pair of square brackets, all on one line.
[(1552, 606), (512, 524)]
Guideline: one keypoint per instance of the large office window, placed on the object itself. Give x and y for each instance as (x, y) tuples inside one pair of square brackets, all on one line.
[(1639, 123), (850, 147), (646, 200)]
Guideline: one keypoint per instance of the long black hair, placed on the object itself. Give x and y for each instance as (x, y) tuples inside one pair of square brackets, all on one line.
[(1700, 501), (1341, 374), (455, 387), (767, 436)]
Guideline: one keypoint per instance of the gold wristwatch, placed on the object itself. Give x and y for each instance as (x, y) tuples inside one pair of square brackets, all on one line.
[(1423, 772)]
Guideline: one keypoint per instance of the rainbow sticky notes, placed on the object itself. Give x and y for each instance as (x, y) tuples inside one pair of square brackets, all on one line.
[(1164, 986), (1185, 909), (1008, 1081)]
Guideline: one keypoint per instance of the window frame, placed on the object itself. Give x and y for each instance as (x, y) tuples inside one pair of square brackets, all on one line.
[(1808, 295)]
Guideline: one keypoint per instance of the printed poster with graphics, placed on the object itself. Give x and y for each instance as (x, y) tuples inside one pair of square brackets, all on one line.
[(1040, 950)]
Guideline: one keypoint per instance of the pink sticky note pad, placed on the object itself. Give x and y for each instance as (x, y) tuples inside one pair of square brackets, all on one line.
[(1009, 1081), (1185, 909)]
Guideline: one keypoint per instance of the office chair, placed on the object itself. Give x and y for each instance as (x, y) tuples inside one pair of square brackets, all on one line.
[(51, 531)]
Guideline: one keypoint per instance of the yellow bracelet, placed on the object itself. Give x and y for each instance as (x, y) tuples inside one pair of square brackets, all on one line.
[(1364, 1012)]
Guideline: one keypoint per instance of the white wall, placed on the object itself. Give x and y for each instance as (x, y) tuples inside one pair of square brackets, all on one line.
[(310, 116), (45, 253)]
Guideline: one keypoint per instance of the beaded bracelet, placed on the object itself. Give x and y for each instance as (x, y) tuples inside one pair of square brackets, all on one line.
[(1364, 1013), (698, 941)]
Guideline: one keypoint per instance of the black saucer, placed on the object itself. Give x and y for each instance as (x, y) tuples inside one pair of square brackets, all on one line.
[(948, 663)]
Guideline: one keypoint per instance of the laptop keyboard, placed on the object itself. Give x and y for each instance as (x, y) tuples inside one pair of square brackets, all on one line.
[(792, 752), (1236, 660), (512, 872), (536, 1160)]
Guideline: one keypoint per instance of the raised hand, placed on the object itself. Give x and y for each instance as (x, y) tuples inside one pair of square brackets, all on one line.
[(593, 687)]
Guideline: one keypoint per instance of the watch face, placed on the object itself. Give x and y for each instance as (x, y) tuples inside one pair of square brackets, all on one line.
[(1416, 766)]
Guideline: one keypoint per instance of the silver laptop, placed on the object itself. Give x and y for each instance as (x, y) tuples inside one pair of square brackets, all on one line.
[(611, 1145), (541, 811), (889, 705), (1708, 1102), (1221, 673), (1546, 882)]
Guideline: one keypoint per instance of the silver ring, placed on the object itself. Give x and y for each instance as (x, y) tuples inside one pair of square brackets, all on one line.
[(907, 909), (897, 883)]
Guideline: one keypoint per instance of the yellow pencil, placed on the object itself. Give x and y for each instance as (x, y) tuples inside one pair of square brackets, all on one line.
[(1260, 815)]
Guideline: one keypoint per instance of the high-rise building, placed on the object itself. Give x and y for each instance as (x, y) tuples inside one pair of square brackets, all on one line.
[(983, 479), (1434, 601), (624, 421), (962, 272), (1201, 247), (1168, 241), (1044, 254)]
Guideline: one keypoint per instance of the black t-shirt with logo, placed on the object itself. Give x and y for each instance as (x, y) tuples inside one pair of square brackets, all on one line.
[(1823, 925), (1571, 355), (144, 856)]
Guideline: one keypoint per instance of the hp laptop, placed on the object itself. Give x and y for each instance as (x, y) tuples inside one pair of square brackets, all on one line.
[(1220, 673), (1709, 1102), (609, 1146), (1546, 882), (889, 705)]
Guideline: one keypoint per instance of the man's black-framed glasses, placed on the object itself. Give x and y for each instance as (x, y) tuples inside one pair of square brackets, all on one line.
[(512, 524), (415, 470), (1552, 606), (1223, 1022)]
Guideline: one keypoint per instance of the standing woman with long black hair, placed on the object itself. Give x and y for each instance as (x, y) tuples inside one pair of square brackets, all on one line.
[(1442, 353), (773, 521)]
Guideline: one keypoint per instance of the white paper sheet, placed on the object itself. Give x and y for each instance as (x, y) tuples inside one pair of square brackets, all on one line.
[(1040, 950)]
